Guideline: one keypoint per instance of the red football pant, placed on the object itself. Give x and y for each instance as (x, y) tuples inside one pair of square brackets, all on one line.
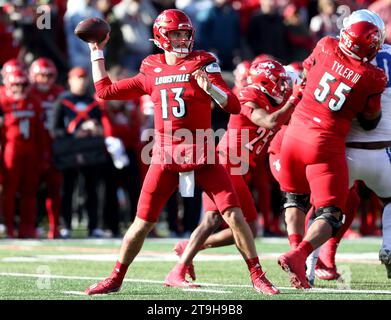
[(245, 198), (21, 175), (159, 185), (323, 175)]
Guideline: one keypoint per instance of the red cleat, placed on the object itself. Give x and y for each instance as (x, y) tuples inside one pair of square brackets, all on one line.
[(323, 272), (263, 285), (293, 262), (176, 278), (179, 249), (109, 285)]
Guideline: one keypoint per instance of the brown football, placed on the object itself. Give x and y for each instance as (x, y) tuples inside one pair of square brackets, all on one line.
[(92, 30)]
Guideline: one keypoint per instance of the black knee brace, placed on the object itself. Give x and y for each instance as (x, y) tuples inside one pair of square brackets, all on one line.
[(294, 200), (327, 213)]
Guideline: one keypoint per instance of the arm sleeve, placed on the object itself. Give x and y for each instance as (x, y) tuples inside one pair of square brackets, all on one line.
[(126, 89), (233, 105)]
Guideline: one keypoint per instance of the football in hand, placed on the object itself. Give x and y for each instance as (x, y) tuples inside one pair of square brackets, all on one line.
[(92, 30)]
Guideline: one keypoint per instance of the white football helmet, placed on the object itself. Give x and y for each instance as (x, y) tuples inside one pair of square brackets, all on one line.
[(369, 16)]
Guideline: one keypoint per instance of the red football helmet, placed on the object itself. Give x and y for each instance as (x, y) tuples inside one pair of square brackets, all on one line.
[(16, 84), (241, 73), (43, 74), (10, 66), (271, 78), (171, 20), (361, 40)]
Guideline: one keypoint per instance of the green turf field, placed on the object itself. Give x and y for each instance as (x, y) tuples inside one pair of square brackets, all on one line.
[(62, 269)]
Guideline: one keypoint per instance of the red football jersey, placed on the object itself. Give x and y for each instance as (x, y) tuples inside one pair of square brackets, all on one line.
[(177, 98), (244, 139), (23, 120), (48, 100), (338, 88)]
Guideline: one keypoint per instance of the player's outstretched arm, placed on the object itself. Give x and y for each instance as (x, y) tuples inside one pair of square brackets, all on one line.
[(262, 118), (97, 59), (126, 89)]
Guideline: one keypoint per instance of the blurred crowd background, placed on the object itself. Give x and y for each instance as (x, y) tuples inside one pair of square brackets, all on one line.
[(99, 198)]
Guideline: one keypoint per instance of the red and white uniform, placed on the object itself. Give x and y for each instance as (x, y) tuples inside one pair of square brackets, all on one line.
[(179, 104), (240, 146), (22, 152), (313, 150), (50, 175)]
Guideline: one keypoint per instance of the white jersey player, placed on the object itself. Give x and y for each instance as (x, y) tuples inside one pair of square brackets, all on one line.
[(369, 156)]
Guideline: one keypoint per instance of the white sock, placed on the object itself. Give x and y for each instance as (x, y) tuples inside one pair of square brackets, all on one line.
[(386, 222), (311, 260)]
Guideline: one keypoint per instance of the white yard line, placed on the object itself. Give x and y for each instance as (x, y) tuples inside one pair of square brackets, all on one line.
[(271, 240), (206, 290), (310, 291), (78, 293), (364, 257)]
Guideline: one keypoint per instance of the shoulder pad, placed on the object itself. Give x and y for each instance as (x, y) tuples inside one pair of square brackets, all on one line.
[(213, 68), (252, 93), (150, 62), (327, 43), (204, 56)]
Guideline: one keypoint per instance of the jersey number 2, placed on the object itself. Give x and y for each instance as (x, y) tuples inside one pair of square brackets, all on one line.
[(177, 111), (339, 95)]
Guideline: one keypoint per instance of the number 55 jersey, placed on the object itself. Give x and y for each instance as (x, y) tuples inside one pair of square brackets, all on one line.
[(338, 88)]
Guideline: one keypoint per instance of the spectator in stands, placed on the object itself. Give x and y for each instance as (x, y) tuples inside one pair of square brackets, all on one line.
[(36, 35), (325, 23), (195, 9), (115, 49), (10, 46), (221, 19), (161, 5), (299, 36), (78, 51), (267, 32), (136, 18)]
